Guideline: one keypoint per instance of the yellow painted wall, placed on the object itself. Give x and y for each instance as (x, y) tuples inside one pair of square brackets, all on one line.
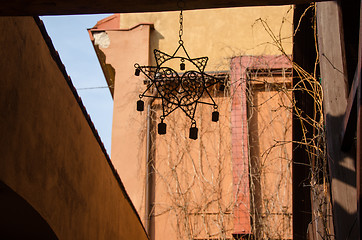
[(219, 33)]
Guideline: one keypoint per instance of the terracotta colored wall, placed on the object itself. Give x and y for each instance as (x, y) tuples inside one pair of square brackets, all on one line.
[(50, 155), (240, 148), (194, 190), (125, 48), (270, 132), (261, 132)]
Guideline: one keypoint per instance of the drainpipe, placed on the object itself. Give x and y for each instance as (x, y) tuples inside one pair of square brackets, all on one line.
[(150, 181)]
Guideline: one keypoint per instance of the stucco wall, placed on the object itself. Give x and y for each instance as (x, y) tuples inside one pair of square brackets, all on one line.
[(194, 187), (261, 128), (50, 155), (219, 33), (123, 50)]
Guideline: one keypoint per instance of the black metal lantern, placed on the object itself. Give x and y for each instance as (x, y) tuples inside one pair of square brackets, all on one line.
[(179, 90)]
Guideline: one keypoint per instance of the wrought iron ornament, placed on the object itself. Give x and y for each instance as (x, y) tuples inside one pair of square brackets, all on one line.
[(176, 90)]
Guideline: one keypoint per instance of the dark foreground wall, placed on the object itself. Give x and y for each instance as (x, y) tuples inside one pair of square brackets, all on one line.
[(50, 156)]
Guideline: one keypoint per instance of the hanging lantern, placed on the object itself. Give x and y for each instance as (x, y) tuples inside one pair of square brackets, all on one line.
[(140, 105), (161, 127), (183, 91), (215, 116), (193, 131)]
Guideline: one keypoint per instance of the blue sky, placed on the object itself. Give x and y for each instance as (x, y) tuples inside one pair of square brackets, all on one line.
[(71, 40)]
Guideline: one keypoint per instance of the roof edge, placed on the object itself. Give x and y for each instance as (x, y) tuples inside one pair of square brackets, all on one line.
[(121, 29)]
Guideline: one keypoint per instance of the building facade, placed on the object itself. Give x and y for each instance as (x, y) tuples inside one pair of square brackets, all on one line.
[(233, 181), (53, 161)]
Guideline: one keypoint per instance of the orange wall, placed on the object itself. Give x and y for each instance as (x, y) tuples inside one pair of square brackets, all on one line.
[(50, 156), (125, 48), (270, 130), (194, 190), (121, 49), (267, 116)]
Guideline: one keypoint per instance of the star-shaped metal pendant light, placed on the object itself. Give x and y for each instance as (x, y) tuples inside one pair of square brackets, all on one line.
[(179, 90)]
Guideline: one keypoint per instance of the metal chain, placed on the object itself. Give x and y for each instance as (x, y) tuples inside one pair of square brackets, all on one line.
[(181, 5), (181, 31)]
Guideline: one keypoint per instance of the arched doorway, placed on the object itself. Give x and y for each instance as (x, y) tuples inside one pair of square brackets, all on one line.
[(19, 220)]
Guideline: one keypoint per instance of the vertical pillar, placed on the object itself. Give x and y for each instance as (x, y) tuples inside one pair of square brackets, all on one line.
[(359, 126), (240, 154), (334, 82)]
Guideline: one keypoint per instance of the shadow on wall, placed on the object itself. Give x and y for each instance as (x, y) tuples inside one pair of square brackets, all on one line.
[(19, 220), (343, 175), (155, 38)]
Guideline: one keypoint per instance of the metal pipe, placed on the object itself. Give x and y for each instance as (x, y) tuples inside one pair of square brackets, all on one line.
[(149, 170)]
